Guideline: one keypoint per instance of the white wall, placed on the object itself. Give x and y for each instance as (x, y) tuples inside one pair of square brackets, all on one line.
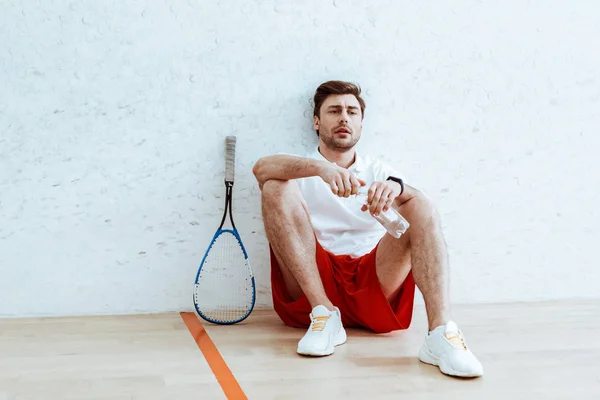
[(113, 115)]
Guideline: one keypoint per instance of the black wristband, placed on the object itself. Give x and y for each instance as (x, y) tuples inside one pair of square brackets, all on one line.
[(398, 180)]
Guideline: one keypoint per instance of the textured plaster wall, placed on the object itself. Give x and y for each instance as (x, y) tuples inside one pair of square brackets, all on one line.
[(113, 115)]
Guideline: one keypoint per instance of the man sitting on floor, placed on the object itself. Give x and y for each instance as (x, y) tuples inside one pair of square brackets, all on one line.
[(332, 263)]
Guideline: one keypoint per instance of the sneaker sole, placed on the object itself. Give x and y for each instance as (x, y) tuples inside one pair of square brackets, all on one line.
[(428, 358), (338, 340)]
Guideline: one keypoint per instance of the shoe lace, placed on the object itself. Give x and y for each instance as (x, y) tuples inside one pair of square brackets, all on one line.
[(318, 323), (456, 340)]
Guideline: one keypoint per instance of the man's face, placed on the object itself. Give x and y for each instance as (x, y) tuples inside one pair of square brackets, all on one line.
[(339, 122)]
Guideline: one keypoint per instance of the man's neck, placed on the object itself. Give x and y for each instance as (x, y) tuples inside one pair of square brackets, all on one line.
[(343, 159)]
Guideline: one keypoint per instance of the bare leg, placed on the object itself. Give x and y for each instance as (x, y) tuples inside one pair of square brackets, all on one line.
[(423, 249), (290, 233)]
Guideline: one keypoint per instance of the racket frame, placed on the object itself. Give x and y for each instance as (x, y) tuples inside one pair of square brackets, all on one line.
[(227, 211)]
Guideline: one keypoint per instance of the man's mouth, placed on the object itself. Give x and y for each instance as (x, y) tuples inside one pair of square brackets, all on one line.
[(342, 130)]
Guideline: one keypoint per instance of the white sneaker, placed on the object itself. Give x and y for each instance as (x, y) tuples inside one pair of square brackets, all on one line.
[(445, 347), (325, 332)]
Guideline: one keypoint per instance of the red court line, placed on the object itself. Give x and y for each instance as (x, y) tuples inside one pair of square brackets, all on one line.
[(229, 384)]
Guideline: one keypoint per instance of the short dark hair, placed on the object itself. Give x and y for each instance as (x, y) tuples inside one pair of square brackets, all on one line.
[(337, 87)]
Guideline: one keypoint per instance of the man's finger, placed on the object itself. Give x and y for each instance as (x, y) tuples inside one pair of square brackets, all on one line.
[(371, 192), (347, 186), (355, 184), (334, 187), (385, 195), (388, 204), (379, 206), (376, 199), (340, 184)]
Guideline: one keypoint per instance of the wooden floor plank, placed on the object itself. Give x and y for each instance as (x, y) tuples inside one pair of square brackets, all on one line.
[(529, 351), (539, 350), (122, 357)]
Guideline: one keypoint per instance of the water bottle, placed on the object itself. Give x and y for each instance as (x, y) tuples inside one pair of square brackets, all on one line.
[(391, 220)]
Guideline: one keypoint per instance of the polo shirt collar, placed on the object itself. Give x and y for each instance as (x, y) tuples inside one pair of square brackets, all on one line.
[(357, 166)]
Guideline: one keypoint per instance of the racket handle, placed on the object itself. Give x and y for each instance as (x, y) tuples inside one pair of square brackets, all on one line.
[(230, 142)]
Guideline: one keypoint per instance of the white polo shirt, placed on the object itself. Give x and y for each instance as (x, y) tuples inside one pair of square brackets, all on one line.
[(339, 224)]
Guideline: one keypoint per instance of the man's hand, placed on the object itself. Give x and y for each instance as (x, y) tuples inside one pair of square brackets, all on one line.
[(381, 196), (343, 183)]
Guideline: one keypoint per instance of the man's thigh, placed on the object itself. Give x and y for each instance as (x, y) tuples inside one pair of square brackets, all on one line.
[(393, 264)]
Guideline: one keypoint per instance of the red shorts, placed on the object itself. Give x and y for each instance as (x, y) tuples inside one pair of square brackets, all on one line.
[(352, 285)]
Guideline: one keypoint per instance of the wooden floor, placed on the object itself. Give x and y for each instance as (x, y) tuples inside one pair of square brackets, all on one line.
[(529, 351)]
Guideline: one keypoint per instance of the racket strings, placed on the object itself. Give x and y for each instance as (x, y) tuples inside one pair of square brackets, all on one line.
[(224, 290)]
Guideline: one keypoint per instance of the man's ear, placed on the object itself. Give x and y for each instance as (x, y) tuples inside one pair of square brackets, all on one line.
[(316, 123)]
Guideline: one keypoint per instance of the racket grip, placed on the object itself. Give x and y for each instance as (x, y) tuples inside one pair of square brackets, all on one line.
[(230, 142)]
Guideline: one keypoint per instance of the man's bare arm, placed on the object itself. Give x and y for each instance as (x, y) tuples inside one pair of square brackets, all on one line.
[(284, 167)]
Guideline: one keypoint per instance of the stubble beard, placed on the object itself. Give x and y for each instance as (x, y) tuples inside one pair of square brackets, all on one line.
[(339, 144)]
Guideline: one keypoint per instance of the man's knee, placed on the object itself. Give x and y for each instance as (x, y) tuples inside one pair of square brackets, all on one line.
[(429, 208), (277, 192), (425, 211)]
